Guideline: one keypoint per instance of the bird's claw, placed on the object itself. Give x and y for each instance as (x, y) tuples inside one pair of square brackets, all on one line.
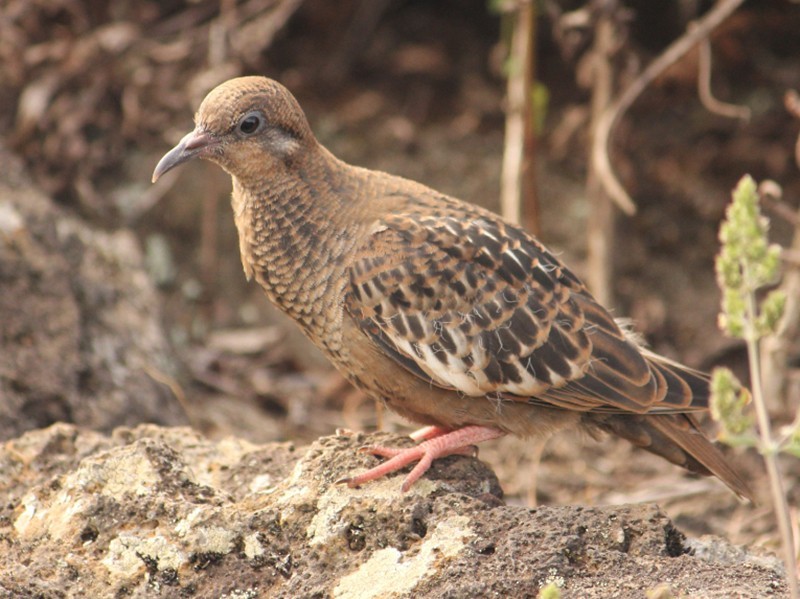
[(459, 442)]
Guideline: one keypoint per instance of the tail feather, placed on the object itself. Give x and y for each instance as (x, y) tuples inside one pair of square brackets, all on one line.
[(677, 438)]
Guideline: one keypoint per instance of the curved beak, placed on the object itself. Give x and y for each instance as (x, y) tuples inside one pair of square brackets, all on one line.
[(191, 146)]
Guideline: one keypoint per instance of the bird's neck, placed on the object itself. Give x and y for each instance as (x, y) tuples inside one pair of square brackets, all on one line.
[(296, 227)]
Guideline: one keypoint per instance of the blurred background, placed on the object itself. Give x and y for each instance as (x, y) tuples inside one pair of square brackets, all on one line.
[(124, 301)]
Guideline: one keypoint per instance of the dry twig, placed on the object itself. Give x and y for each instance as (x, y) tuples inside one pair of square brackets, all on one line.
[(707, 98), (776, 348), (600, 144), (600, 227), (516, 188), (792, 102)]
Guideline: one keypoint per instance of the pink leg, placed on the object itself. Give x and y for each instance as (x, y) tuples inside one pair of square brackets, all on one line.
[(444, 444), (429, 432)]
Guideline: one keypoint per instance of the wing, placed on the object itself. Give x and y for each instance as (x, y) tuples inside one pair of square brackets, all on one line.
[(479, 306)]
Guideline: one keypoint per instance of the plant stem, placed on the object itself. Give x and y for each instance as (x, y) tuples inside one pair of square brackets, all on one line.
[(517, 185), (600, 226), (769, 450)]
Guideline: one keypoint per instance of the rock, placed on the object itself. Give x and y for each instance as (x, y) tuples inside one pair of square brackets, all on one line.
[(80, 336), (163, 512)]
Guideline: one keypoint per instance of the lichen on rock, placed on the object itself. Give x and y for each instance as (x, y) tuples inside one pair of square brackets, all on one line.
[(164, 512)]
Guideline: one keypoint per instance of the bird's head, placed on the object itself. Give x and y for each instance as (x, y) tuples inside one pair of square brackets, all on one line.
[(244, 125)]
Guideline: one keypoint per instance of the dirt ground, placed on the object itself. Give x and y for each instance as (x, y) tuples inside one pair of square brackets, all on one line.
[(418, 92)]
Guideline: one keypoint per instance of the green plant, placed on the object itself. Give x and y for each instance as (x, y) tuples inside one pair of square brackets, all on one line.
[(550, 591), (747, 262)]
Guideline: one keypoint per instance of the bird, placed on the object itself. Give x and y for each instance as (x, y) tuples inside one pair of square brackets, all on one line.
[(454, 318)]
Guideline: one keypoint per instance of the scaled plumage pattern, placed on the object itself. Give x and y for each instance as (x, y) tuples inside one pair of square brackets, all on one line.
[(454, 318)]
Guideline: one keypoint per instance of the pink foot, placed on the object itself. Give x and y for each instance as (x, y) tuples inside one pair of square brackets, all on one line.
[(439, 443)]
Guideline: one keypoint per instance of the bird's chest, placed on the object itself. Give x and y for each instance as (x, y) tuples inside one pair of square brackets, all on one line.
[(295, 267)]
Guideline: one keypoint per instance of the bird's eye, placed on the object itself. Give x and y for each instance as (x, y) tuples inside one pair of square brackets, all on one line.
[(250, 124)]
